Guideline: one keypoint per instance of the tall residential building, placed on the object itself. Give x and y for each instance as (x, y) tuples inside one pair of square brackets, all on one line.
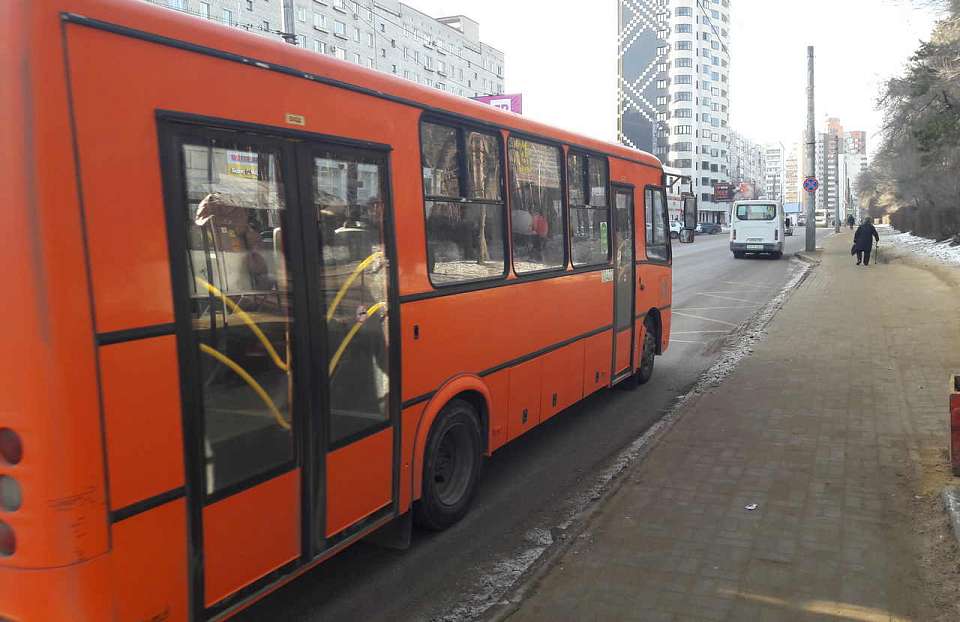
[(387, 35), (674, 99), (775, 174), (747, 163), (793, 174)]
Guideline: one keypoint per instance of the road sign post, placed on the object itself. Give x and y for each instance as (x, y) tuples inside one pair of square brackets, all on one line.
[(811, 184)]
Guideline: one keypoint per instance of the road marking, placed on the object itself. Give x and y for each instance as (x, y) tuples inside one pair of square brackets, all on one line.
[(698, 332), (726, 298), (705, 319), (748, 285), (712, 308)]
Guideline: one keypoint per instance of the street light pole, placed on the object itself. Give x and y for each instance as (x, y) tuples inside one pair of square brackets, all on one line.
[(811, 160)]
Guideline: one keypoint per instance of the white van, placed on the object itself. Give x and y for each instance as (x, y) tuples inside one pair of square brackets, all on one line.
[(756, 227)]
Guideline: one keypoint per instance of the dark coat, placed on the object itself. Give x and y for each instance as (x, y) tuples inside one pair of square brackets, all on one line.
[(864, 237)]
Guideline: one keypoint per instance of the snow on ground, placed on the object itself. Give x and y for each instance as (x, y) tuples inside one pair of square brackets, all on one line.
[(945, 252)]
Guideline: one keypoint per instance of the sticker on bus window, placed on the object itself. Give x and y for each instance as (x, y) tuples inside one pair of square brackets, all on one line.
[(606, 276), (603, 238)]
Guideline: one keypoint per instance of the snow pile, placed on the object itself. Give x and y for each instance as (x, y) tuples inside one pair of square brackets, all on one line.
[(946, 252)]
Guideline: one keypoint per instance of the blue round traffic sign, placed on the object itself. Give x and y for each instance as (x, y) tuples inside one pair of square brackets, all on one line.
[(811, 184)]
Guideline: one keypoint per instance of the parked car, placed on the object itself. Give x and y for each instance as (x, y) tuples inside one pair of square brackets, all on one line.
[(675, 227), (709, 228), (787, 226)]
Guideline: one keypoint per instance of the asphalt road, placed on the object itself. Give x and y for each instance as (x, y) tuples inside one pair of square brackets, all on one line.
[(530, 487)]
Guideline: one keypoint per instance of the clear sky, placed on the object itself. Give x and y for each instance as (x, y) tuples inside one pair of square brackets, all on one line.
[(564, 60)]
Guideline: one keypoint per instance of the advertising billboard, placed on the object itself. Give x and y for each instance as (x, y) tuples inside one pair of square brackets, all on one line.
[(510, 103), (723, 192)]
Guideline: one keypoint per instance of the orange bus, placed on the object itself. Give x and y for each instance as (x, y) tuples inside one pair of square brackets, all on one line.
[(261, 303)]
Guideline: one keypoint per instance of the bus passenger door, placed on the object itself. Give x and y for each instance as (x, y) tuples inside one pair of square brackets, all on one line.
[(624, 295), (348, 250)]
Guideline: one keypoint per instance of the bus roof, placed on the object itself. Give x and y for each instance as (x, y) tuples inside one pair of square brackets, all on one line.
[(172, 27)]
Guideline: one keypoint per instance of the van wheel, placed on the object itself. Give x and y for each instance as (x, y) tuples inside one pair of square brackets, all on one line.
[(451, 467), (777, 255), (738, 254)]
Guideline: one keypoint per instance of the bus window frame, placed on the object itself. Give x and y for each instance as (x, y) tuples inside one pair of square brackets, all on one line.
[(571, 150), (666, 220), (563, 147), (462, 126)]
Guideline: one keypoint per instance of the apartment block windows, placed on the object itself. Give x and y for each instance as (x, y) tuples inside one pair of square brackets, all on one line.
[(662, 100), (339, 29), (661, 84), (683, 113), (683, 130), (684, 62), (685, 79), (301, 13), (356, 34), (228, 16), (685, 45), (319, 21), (205, 10), (683, 96), (684, 11), (319, 47), (685, 28)]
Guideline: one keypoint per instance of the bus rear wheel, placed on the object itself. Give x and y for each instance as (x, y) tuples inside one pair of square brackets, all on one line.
[(451, 467), (648, 355)]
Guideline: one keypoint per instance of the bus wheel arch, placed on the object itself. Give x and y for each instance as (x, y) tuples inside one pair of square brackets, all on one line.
[(653, 315), (465, 388)]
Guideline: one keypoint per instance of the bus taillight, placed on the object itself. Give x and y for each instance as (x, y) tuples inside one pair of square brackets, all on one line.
[(8, 540), (11, 449), (10, 495)]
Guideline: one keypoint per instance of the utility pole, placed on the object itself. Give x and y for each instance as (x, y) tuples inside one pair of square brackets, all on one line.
[(836, 159), (810, 170)]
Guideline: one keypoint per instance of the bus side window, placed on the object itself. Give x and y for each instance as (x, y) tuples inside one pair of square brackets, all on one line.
[(658, 235), (589, 213), (464, 216), (535, 203)]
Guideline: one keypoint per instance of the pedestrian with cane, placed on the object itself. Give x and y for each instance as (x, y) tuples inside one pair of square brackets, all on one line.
[(863, 241)]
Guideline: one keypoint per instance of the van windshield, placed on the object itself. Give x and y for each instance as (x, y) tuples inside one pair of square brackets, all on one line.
[(756, 212)]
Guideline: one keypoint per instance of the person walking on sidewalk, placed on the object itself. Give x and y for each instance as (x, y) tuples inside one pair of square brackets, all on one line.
[(863, 241), (851, 221)]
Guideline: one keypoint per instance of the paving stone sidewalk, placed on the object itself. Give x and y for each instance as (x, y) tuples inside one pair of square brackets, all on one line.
[(835, 427)]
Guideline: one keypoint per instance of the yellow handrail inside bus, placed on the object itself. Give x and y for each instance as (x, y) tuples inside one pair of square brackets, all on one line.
[(350, 335), (346, 284), (279, 362), (253, 384)]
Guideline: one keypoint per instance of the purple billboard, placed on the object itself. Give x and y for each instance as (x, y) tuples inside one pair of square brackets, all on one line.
[(510, 103)]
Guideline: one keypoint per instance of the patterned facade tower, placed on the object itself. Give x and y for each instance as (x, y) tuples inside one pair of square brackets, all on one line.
[(673, 88)]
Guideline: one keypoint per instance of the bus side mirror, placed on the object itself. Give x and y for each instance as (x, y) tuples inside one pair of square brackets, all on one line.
[(690, 218)]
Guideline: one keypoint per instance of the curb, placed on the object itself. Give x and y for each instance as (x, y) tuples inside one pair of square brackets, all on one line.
[(951, 503), (509, 602), (811, 258)]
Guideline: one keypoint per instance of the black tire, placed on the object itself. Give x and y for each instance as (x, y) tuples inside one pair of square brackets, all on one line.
[(777, 255), (738, 254), (674, 235), (648, 353), (451, 467)]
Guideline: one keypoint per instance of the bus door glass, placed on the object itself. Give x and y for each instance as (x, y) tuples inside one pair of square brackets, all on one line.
[(350, 291), (239, 298), (283, 328), (624, 292)]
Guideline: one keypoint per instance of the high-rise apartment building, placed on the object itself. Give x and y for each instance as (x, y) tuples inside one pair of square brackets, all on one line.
[(775, 175), (674, 100), (793, 174), (747, 163), (387, 35)]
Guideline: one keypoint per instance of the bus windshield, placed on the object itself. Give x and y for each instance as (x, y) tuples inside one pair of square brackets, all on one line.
[(756, 212)]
